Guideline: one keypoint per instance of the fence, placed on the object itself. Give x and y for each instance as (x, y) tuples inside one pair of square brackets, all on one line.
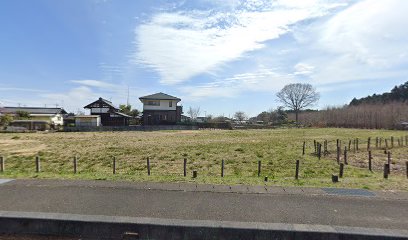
[(374, 154)]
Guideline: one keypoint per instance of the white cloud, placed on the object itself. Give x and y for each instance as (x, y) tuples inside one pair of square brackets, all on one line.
[(303, 69), (95, 83), (260, 80), (371, 32), (184, 44)]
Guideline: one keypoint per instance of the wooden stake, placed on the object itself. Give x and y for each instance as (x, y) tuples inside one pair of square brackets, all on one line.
[(338, 155), (386, 170), (392, 142), (37, 164), (259, 168), (148, 166), (315, 147), (114, 165), (406, 168), (303, 151), (369, 160), (345, 156), (368, 143), (75, 164), (297, 170), (2, 164), (389, 162), (335, 178), (222, 168), (341, 170), (194, 174), (357, 144), (185, 167)]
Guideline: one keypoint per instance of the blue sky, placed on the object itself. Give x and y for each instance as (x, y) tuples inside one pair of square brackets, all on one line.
[(219, 55)]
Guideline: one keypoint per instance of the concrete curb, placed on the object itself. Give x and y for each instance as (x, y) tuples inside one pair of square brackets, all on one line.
[(115, 227)]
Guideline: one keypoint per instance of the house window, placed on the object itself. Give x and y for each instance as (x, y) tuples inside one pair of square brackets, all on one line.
[(153, 103), (170, 103)]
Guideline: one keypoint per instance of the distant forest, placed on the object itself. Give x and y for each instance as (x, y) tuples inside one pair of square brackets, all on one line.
[(388, 110), (397, 94)]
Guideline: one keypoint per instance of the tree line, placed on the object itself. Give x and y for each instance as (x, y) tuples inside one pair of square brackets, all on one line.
[(372, 116), (397, 94)]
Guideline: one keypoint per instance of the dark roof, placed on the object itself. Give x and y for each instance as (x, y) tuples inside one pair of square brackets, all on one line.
[(33, 110), (123, 115), (160, 96), (101, 101)]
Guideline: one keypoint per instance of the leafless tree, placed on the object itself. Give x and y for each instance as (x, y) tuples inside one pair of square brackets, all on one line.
[(240, 116), (193, 112), (297, 96)]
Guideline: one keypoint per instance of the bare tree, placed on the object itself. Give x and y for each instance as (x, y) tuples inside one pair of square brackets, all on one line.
[(297, 96), (240, 116), (193, 112)]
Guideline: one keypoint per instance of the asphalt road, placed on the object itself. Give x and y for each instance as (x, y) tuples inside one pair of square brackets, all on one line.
[(191, 202)]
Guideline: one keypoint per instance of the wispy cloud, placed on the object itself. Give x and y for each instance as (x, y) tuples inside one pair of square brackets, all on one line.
[(262, 79), (180, 45), (95, 83), (15, 89), (303, 69)]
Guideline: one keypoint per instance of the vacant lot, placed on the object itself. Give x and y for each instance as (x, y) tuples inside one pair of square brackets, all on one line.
[(241, 149)]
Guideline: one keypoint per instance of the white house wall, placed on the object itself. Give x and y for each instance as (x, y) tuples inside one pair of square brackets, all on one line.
[(57, 119), (87, 122), (99, 110), (164, 105)]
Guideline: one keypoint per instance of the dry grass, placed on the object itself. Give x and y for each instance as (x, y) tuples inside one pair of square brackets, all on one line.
[(204, 150)]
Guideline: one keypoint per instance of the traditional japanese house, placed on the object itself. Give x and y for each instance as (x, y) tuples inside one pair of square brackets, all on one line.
[(110, 115)]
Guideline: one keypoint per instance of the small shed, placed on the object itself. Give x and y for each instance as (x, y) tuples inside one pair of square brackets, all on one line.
[(31, 124), (88, 121)]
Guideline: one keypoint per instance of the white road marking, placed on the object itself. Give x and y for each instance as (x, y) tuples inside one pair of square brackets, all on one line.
[(5, 180)]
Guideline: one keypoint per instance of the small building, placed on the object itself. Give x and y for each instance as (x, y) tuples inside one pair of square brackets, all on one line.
[(109, 114), (161, 109), (54, 116), (87, 121)]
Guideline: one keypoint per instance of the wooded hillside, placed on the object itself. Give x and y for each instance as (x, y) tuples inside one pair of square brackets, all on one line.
[(397, 94)]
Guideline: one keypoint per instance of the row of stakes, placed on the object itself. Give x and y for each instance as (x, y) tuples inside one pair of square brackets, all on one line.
[(387, 169), (387, 166), (355, 143)]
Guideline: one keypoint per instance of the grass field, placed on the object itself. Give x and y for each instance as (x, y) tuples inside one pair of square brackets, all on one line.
[(241, 149)]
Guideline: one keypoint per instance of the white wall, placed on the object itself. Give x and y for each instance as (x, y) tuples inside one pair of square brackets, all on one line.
[(164, 105), (87, 122), (56, 119), (99, 110)]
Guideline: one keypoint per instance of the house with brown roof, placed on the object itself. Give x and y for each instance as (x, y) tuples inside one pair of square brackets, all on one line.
[(161, 109)]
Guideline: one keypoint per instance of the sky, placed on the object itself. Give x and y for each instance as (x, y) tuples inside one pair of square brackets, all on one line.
[(222, 56)]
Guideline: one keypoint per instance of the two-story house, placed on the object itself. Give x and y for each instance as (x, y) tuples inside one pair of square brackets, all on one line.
[(161, 109)]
